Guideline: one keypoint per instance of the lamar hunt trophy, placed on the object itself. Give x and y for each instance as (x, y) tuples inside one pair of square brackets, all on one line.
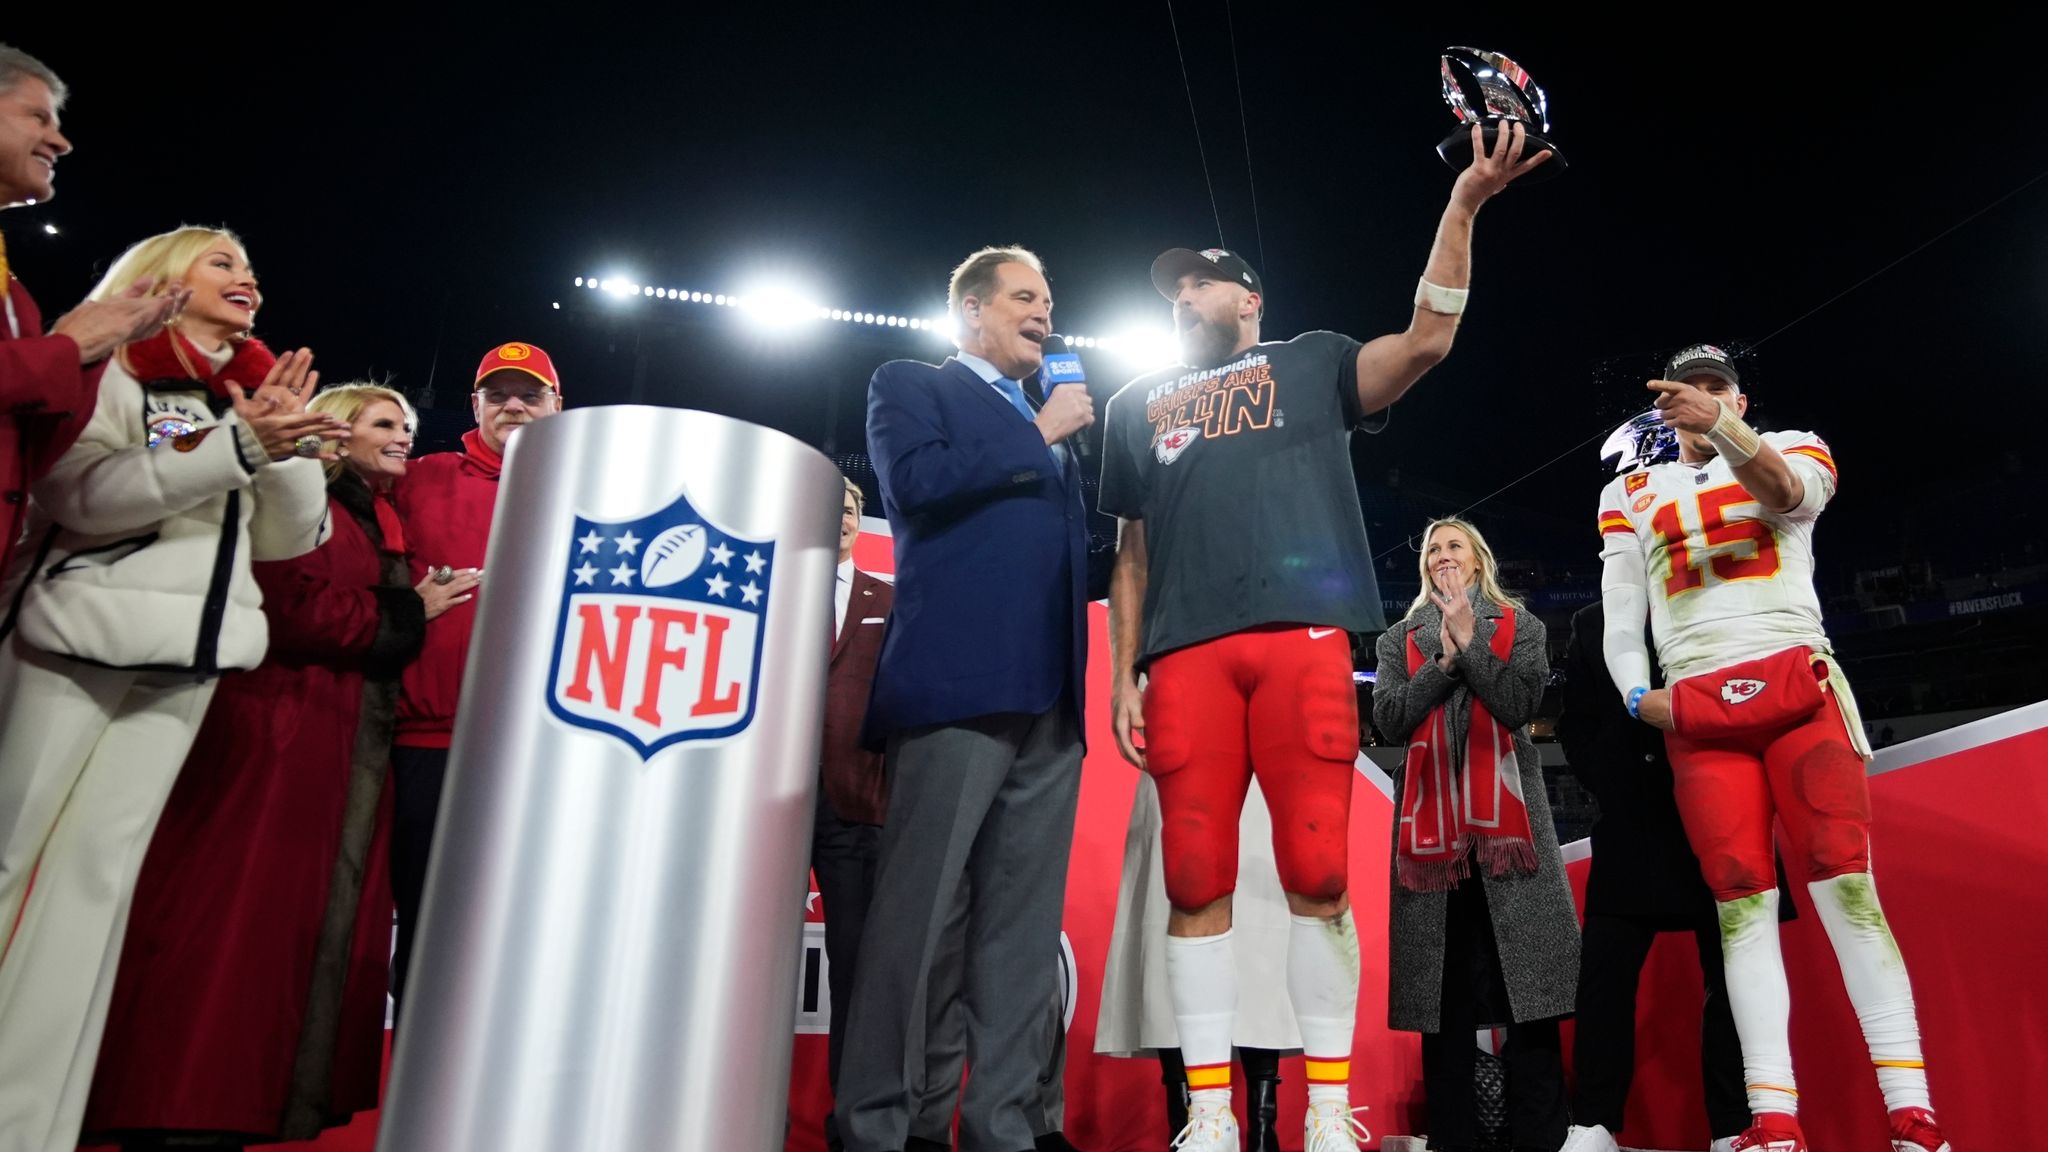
[(1488, 89)]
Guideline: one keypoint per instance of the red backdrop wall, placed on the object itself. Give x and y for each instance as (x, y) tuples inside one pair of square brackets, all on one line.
[(1961, 820)]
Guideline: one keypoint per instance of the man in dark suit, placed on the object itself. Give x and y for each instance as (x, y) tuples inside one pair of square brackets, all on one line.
[(852, 791), (978, 698), (1644, 880), (853, 797)]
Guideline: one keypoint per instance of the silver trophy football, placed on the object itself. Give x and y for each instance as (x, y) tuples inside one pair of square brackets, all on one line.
[(1488, 89)]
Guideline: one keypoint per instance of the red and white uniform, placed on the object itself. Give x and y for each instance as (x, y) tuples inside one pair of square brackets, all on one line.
[(1728, 580), (1728, 587)]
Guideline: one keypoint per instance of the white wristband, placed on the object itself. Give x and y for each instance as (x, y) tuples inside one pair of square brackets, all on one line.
[(1436, 298), (1737, 442)]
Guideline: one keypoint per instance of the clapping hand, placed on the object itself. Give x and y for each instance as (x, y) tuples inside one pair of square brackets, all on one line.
[(276, 411)]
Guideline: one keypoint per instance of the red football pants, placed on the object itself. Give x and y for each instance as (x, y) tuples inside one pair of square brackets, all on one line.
[(1276, 701), (1806, 773)]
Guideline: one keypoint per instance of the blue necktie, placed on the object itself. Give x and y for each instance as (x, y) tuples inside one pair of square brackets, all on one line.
[(1014, 392)]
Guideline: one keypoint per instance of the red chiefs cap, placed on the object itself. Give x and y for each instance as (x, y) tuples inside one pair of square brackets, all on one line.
[(518, 357)]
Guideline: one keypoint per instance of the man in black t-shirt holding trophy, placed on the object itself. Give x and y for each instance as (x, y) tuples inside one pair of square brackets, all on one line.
[(1241, 567)]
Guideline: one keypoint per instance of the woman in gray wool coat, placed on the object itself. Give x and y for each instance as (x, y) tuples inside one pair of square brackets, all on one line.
[(1483, 931)]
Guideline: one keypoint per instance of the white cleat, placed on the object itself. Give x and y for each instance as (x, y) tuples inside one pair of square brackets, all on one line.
[(1595, 1138), (1724, 1144), (1211, 1128), (1333, 1127)]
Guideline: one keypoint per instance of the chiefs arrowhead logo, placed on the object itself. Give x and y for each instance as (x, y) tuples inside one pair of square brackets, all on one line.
[(1171, 445), (658, 637), (1739, 691)]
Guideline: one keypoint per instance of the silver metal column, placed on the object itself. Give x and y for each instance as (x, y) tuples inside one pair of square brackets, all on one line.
[(608, 948)]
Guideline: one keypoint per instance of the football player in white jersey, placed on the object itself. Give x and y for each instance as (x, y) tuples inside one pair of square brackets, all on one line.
[(1717, 548)]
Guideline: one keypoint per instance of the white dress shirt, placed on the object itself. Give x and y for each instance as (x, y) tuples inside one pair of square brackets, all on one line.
[(983, 369), (841, 593)]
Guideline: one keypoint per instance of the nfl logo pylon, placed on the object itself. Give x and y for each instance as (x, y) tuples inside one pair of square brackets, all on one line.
[(612, 926)]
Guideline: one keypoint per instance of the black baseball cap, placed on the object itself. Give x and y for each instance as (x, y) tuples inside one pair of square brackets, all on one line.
[(1698, 358), (1175, 263)]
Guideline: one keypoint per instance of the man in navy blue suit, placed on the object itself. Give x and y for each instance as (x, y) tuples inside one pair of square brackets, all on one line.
[(978, 698)]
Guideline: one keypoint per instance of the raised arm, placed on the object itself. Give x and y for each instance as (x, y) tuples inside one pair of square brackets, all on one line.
[(1389, 365)]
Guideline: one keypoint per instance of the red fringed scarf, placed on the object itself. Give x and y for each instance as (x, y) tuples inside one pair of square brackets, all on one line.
[(168, 356), (1448, 815)]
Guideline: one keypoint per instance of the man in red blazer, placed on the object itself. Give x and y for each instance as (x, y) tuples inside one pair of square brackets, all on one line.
[(852, 791), (48, 383)]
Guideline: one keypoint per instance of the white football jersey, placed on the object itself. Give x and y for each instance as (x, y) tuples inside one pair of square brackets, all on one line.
[(1729, 580)]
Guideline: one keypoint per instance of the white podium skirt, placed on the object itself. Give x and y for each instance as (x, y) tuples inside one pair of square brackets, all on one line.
[(1137, 1013)]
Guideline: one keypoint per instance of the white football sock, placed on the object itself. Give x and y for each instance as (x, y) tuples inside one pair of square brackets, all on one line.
[(1322, 980), (1760, 1000), (1201, 980), (1876, 976)]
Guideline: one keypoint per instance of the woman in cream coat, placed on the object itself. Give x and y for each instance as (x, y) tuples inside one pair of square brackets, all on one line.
[(131, 593)]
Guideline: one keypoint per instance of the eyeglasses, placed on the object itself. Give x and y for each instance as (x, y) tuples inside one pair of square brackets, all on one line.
[(531, 397)]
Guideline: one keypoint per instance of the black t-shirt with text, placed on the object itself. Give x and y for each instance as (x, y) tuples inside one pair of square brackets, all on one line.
[(1242, 475)]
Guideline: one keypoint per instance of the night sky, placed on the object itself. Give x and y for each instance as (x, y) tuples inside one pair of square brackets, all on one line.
[(416, 189)]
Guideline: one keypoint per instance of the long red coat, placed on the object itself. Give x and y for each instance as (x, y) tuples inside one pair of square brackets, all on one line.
[(243, 1004), (45, 400)]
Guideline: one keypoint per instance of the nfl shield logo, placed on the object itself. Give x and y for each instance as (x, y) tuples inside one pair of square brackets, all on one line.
[(659, 635)]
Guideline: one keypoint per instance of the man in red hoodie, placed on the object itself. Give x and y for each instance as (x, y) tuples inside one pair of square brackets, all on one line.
[(48, 383), (445, 502)]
